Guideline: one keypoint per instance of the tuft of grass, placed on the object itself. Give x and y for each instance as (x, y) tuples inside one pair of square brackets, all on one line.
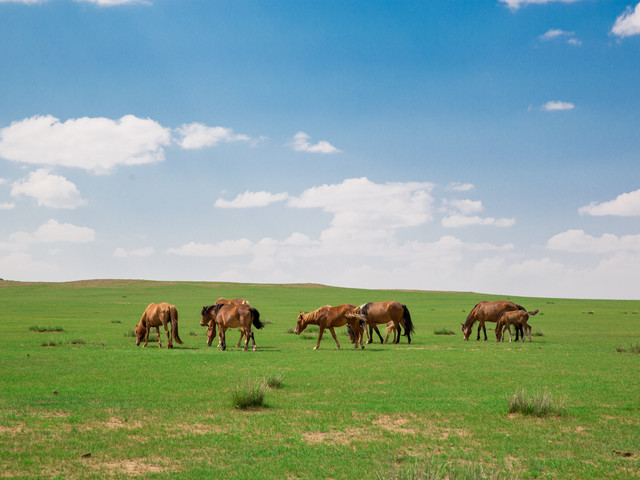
[(50, 343), (77, 341), (444, 331), (538, 333), (633, 348), (540, 404), (273, 380), (38, 329), (130, 333), (115, 321), (248, 394), (440, 469)]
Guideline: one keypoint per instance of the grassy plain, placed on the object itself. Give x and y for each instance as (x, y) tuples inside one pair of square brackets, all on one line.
[(79, 400)]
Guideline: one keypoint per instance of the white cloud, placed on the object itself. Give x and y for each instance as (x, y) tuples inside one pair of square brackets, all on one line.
[(196, 136), (98, 145), (49, 190), (624, 205), (460, 187), (555, 33), (139, 252), (455, 221), (7, 206), (628, 23), (555, 106), (516, 4), (26, 2), (300, 143), (53, 232), (465, 207), (252, 199), (577, 241)]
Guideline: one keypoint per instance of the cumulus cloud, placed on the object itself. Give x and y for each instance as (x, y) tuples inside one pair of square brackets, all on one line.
[(624, 205), (628, 23), (98, 145), (578, 241), (516, 4), (49, 190), (54, 232), (196, 136), (300, 143), (252, 199), (555, 106), (7, 206)]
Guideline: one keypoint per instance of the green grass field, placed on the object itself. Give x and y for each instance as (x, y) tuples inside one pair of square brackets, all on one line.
[(78, 399)]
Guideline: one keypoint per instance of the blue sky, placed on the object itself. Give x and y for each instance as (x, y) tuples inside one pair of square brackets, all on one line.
[(488, 146)]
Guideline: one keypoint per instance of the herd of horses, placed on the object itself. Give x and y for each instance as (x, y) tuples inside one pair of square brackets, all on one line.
[(360, 320)]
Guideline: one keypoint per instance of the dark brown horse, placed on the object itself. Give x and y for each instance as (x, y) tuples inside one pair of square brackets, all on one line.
[(225, 316), (378, 313), (487, 312), (517, 318), (329, 317), (210, 329), (157, 314)]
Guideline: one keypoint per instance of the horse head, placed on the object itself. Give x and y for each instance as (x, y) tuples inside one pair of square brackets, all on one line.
[(466, 331), (300, 324), (204, 316), (139, 332)]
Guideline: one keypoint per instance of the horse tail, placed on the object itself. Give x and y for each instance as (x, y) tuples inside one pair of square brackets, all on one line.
[(535, 312), (408, 324), (364, 309), (520, 307), (174, 324), (255, 315)]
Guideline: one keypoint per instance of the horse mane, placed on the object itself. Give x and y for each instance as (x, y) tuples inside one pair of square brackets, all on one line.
[(520, 307), (466, 322), (206, 310), (313, 316), (364, 309)]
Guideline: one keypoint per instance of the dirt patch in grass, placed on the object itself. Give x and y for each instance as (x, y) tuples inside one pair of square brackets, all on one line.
[(130, 467), (395, 424)]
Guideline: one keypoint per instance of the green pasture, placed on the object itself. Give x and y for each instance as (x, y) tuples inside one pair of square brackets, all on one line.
[(78, 399)]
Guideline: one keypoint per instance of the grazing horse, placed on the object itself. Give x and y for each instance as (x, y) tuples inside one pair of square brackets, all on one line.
[(210, 329), (226, 316), (518, 318), (384, 312), (157, 314), (331, 317), (487, 312)]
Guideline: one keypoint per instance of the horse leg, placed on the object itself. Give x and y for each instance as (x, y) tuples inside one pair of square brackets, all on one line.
[(378, 332), (479, 327), (221, 338), (246, 340), (146, 339), (509, 327), (333, 334), (253, 338), (166, 329), (240, 339)]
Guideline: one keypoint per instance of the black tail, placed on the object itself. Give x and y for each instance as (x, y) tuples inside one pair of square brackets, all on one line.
[(364, 310), (255, 314), (408, 324)]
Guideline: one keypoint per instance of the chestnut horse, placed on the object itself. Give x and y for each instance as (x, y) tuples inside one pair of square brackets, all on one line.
[(331, 317), (517, 318), (384, 312), (487, 312), (157, 314), (226, 316)]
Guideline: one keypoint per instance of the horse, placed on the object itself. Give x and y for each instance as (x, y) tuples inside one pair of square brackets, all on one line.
[(487, 312), (516, 318), (384, 312), (226, 316), (332, 317), (157, 314), (211, 332)]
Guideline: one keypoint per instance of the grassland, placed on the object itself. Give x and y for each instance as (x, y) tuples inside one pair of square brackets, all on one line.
[(79, 400)]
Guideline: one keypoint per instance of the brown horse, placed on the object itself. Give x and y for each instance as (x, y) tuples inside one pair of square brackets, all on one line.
[(332, 317), (517, 318), (226, 316), (384, 312), (210, 328), (157, 314), (487, 312)]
